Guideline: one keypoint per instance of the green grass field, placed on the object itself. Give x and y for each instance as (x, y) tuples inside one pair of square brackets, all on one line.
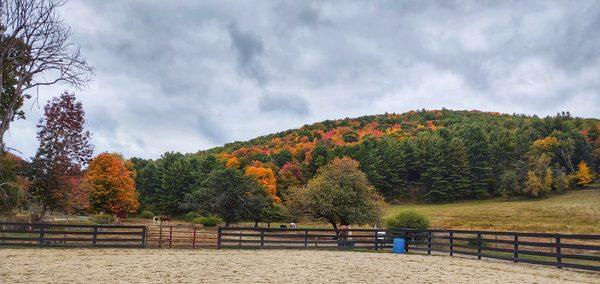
[(576, 211)]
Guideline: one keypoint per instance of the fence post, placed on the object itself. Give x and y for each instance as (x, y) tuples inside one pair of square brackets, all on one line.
[(406, 240), (516, 249), (428, 242), (144, 232), (170, 234), (558, 253), (219, 230), (95, 235), (194, 239), (451, 243), (160, 236), (262, 237), (478, 245), (42, 229), (305, 238), (376, 240)]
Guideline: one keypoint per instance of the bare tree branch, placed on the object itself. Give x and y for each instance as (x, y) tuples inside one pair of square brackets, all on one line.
[(36, 51)]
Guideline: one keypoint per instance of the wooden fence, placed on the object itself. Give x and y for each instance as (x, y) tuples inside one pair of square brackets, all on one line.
[(181, 236), (560, 250), (43, 234), (252, 237)]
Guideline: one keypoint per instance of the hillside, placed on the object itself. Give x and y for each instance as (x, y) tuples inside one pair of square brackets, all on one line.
[(426, 156), (348, 131)]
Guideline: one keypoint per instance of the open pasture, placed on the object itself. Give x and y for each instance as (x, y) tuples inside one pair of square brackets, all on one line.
[(575, 211)]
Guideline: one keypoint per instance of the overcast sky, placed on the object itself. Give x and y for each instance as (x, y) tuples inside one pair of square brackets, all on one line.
[(190, 75)]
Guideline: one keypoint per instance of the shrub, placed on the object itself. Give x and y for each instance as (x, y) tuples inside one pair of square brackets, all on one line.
[(409, 219), (85, 222), (103, 218), (146, 215), (207, 221), (190, 216)]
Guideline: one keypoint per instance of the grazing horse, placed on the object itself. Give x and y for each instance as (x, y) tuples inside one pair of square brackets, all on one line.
[(158, 220)]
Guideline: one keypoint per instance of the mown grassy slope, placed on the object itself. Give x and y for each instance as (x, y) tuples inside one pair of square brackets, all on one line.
[(576, 211)]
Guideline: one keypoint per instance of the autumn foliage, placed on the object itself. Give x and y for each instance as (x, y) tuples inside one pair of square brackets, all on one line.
[(584, 175), (233, 162), (266, 178), (421, 155), (63, 152), (110, 185)]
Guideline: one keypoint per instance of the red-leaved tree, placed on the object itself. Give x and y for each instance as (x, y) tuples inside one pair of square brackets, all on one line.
[(63, 152)]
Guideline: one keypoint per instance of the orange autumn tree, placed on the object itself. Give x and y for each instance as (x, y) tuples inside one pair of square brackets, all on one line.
[(110, 185), (266, 177), (233, 162)]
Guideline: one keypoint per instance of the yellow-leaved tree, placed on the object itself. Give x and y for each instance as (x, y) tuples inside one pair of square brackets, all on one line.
[(110, 184), (533, 185), (266, 177), (584, 175), (233, 162)]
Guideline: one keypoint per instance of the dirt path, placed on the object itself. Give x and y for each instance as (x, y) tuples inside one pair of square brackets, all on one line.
[(264, 266)]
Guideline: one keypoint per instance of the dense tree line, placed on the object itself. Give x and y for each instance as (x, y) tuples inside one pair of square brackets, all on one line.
[(428, 156)]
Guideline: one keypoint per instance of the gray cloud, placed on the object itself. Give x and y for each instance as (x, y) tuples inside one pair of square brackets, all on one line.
[(249, 49), (188, 75), (284, 104)]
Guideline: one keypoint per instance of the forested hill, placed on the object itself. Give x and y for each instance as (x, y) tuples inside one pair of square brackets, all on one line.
[(435, 156), (350, 130)]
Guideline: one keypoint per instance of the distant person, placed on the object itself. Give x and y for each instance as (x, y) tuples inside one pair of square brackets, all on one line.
[(292, 225)]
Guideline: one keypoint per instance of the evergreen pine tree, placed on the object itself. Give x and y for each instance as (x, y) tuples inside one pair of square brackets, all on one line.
[(479, 160), (457, 165)]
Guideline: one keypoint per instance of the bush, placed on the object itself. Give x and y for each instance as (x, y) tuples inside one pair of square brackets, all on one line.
[(207, 221), (85, 222), (146, 215), (409, 219), (103, 218), (190, 216)]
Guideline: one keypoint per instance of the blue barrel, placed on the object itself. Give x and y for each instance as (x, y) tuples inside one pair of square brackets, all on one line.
[(398, 245)]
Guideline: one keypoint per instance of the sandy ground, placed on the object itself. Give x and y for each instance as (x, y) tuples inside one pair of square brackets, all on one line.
[(31, 265)]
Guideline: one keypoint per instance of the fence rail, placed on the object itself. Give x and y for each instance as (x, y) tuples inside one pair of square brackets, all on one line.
[(253, 237), (44, 234), (560, 250)]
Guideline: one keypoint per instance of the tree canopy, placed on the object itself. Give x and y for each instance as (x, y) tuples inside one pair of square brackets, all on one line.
[(339, 194), (64, 150), (109, 183), (231, 195)]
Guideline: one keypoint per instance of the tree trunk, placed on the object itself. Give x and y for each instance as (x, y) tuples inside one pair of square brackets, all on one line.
[(337, 232), (255, 224), (43, 212)]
